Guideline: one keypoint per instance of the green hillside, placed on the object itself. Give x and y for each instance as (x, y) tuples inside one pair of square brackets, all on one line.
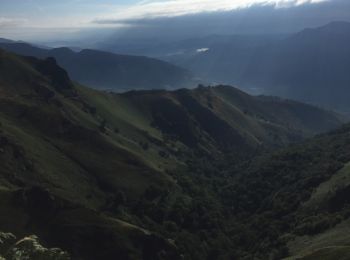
[(155, 174)]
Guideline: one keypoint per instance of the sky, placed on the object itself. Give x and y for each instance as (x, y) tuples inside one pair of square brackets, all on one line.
[(20, 19)]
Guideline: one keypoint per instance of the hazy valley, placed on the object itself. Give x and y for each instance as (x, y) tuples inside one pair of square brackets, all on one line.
[(309, 66)]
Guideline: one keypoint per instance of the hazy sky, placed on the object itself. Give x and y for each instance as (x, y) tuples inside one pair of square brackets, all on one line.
[(22, 19)]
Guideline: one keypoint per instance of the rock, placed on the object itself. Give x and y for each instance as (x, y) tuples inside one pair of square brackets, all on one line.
[(30, 248)]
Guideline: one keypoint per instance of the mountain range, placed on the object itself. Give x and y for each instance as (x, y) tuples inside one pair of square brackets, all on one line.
[(161, 174), (103, 70), (310, 66)]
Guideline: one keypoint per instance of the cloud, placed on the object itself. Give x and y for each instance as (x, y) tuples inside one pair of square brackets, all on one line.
[(202, 50), (268, 17), (10, 22), (173, 8)]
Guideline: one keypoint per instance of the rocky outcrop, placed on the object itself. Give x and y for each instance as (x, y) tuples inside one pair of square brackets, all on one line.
[(27, 248)]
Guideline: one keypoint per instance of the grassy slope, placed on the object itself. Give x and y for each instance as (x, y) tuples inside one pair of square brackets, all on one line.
[(133, 126), (332, 244), (255, 120), (63, 148), (54, 142), (86, 146), (327, 189), (308, 185), (335, 242)]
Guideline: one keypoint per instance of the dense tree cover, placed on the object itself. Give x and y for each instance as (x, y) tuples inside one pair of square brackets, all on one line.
[(229, 209)]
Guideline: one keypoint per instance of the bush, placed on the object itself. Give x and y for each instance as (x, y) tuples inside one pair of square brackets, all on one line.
[(102, 126), (144, 145)]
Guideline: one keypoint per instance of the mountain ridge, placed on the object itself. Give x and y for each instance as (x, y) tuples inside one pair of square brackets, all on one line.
[(103, 70), (309, 66)]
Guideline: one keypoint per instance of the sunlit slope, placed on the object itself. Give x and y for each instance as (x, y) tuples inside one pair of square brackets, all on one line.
[(63, 139), (62, 165)]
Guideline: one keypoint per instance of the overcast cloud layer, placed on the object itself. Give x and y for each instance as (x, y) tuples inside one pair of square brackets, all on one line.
[(83, 13), (73, 19), (269, 17), (171, 8)]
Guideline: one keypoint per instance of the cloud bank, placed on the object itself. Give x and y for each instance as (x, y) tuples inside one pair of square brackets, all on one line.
[(166, 19), (173, 8), (227, 18)]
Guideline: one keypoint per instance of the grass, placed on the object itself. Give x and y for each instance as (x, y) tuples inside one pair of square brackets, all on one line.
[(52, 167), (114, 158), (326, 189), (330, 243), (133, 124)]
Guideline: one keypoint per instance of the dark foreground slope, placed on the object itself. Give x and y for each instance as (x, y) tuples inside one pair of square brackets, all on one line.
[(104, 70), (117, 175)]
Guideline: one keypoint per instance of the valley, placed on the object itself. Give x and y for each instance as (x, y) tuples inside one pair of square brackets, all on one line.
[(310, 65), (202, 173)]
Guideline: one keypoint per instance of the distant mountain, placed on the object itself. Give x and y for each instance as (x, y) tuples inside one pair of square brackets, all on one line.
[(216, 59), (3, 40), (219, 59), (104, 175), (103, 70), (180, 49), (311, 66)]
